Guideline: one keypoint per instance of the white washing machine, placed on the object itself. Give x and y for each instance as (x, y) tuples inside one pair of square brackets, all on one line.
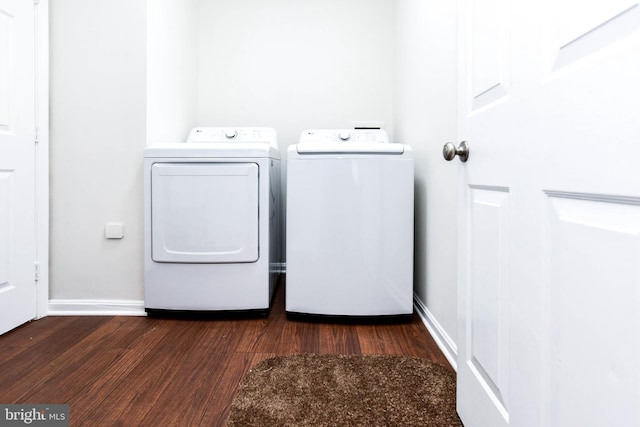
[(212, 222), (349, 225)]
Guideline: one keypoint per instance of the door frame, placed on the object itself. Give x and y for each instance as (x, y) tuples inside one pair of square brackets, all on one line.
[(41, 122)]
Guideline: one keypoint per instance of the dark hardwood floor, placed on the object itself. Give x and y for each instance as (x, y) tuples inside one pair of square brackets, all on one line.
[(139, 371)]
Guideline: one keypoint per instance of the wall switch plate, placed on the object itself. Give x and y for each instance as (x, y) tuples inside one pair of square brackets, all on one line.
[(113, 230)]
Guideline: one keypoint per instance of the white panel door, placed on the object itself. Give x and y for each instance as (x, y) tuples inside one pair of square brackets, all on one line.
[(17, 164), (549, 293)]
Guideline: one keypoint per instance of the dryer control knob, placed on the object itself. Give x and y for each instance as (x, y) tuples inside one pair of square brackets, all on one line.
[(232, 133), (344, 136)]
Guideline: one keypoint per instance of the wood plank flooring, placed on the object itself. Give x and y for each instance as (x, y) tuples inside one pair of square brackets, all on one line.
[(138, 371)]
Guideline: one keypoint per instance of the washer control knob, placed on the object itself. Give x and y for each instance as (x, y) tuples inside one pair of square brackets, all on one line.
[(344, 136), (231, 133)]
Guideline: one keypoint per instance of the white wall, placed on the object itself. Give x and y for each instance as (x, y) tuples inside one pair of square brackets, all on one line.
[(295, 64), (425, 117), (172, 69), (98, 104)]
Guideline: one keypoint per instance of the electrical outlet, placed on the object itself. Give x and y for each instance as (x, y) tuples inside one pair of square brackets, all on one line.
[(113, 230)]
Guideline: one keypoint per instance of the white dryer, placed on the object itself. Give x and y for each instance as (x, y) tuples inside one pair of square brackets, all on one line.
[(212, 221), (349, 225)]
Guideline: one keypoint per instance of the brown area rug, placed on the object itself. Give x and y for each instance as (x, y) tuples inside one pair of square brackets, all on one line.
[(335, 390)]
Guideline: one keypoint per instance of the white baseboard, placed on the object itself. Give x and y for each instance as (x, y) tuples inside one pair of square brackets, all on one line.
[(444, 341), (72, 307)]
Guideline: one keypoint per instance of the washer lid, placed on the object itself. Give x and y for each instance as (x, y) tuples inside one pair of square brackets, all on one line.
[(349, 148)]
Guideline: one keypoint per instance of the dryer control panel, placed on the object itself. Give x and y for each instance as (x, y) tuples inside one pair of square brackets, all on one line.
[(344, 135), (234, 134)]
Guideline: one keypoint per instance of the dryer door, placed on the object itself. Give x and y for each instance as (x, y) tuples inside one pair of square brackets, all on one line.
[(204, 212)]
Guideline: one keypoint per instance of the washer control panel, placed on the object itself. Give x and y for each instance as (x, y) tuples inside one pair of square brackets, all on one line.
[(344, 135)]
